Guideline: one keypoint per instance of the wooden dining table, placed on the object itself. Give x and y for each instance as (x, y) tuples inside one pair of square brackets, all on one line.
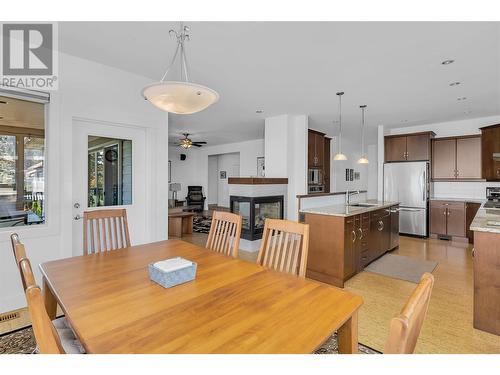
[(232, 306)]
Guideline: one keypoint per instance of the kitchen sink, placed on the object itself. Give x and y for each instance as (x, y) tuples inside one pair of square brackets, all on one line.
[(363, 204)]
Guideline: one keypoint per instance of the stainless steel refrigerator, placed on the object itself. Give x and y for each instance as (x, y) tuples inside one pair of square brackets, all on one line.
[(408, 184)]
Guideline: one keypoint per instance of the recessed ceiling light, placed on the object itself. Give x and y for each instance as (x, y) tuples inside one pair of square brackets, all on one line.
[(404, 120), (467, 112), (454, 83), (447, 62), (259, 111), (462, 98)]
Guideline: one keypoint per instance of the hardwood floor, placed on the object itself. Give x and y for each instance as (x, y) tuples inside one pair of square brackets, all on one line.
[(448, 327)]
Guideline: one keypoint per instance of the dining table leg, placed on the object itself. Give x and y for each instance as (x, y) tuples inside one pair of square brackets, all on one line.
[(49, 300), (347, 335)]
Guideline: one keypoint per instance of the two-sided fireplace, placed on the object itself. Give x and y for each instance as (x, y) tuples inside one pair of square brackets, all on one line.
[(255, 211)]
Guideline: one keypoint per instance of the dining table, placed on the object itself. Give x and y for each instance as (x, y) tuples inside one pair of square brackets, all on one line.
[(232, 306)]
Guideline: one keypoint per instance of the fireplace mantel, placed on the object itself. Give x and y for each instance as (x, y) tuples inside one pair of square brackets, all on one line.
[(257, 181)]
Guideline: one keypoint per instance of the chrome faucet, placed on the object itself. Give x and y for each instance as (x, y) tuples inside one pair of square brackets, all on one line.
[(348, 196)]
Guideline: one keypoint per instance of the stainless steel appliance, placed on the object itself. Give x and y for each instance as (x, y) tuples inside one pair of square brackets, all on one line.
[(408, 184), (493, 197), (315, 176)]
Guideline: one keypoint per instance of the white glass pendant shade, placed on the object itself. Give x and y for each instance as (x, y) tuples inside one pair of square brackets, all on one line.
[(182, 98), (339, 157), (363, 160)]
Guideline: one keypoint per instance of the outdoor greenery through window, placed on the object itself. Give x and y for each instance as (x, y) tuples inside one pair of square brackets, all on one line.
[(22, 162), (109, 171)]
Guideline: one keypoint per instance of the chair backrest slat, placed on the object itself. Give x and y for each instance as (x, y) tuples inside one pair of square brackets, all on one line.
[(107, 231), (224, 235), (284, 246), (405, 328), (46, 336)]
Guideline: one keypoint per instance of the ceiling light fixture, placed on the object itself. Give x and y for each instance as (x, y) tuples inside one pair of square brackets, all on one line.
[(340, 156), (462, 98), (454, 83), (447, 62), (363, 159), (180, 97), (259, 111)]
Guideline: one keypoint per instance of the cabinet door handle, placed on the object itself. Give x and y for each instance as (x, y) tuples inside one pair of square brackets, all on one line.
[(360, 233), (380, 225), (353, 236), (473, 252)]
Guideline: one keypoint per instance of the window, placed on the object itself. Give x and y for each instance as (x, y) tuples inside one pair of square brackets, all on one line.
[(22, 162), (109, 171)]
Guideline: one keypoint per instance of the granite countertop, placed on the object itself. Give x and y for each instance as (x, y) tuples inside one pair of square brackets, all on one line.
[(471, 200), (486, 220), (345, 211)]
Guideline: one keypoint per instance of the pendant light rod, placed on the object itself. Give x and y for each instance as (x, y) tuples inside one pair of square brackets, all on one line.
[(340, 120), (182, 35), (363, 107)]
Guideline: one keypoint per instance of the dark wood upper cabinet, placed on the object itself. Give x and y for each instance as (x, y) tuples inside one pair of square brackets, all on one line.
[(456, 158), (444, 159), (408, 147), (490, 144), (418, 147), (395, 149), (316, 149), (469, 158)]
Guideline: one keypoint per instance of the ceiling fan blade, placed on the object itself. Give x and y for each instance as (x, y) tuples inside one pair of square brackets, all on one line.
[(200, 143), (195, 145)]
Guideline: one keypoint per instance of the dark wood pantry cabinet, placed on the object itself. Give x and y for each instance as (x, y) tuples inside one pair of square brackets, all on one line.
[(490, 145)]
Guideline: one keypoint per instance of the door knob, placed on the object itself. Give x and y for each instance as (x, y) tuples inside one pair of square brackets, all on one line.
[(76, 205), (77, 217)]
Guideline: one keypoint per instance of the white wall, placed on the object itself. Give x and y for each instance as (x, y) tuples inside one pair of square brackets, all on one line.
[(230, 163), (467, 189), (92, 91), (194, 170), (286, 155), (213, 180)]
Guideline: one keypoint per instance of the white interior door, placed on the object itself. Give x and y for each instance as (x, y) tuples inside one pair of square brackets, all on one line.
[(135, 204)]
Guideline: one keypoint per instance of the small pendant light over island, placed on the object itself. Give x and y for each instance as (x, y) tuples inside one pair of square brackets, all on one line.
[(340, 156)]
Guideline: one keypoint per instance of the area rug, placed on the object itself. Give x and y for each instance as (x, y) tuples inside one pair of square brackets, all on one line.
[(401, 267), (23, 342), (201, 224)]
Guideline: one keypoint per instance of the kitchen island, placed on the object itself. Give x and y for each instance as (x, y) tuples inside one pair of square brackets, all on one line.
[(345, 238), (486, 263)]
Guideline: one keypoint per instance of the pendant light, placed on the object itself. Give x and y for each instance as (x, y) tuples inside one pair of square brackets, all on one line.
[(363, 159), (340, 156), (180, 97)]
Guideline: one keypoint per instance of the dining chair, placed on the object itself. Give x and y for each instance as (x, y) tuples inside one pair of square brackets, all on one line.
[(225, 232), (52, 337), (405, 328), (105, 230), (284, 246)]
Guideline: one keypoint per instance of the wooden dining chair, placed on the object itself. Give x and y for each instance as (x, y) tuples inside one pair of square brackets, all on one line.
[(225, 232), (405, 328), (284, 246), (48, 333), (105, 230)]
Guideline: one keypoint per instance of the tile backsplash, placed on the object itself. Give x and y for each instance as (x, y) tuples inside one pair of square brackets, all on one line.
[(472, 190)]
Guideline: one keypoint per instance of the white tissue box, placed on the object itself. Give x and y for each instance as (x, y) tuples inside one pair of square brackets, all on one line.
[(172, 272)]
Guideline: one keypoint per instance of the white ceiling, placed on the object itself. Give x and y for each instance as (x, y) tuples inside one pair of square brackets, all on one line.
[(297, 67)]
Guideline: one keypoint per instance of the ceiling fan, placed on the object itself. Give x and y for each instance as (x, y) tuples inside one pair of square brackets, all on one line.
[(188, 143)]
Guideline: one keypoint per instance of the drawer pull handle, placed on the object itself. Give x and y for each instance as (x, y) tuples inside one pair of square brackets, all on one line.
[(360, 233), (353, 236)]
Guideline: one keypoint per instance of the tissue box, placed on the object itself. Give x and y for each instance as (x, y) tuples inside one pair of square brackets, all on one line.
[(172, 272)]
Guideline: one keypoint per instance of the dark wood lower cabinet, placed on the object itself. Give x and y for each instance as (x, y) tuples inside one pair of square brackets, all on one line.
[(486, 260), (340, 247), (452, 219)]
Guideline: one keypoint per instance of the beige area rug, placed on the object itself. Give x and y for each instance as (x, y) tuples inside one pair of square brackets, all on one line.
[(401, 267)]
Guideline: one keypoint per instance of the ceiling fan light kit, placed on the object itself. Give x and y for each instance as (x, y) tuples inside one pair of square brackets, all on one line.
[(186, 142), (181, 97)]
